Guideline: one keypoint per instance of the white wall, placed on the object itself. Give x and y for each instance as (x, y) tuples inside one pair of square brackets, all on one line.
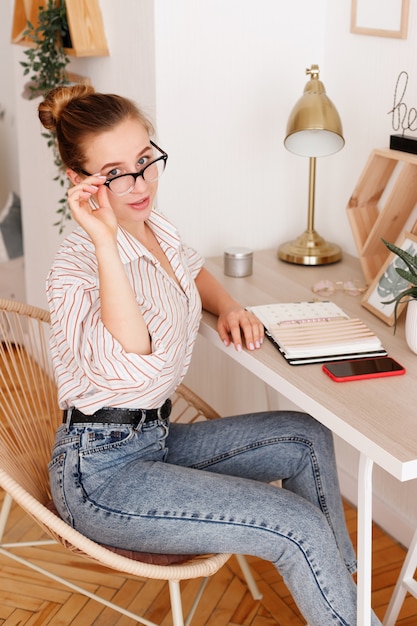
[(220, 77), (9, 170), (227, 75)]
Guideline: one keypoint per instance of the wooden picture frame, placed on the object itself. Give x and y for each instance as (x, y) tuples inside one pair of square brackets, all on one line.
[(387, 284), (380, 18)]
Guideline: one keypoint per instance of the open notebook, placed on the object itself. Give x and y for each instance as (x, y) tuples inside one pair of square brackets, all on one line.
[(316, 332)]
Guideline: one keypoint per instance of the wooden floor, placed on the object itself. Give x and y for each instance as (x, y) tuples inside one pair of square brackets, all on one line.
[(28, 598)]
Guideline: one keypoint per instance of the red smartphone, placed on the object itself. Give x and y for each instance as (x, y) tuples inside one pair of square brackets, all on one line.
[(358, 369)]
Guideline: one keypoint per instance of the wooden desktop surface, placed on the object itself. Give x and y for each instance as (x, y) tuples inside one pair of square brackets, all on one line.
[(378, 417)]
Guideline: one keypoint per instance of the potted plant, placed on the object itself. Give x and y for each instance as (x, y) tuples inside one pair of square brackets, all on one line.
[(46, 67), (408, 294), (46, 59)]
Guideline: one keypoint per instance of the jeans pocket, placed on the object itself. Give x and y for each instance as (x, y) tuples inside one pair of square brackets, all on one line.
[(106, 452)]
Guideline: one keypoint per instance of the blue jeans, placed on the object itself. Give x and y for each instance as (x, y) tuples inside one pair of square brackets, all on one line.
[(204, 487)]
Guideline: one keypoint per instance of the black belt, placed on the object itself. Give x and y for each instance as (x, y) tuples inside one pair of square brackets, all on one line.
[(110, 415)]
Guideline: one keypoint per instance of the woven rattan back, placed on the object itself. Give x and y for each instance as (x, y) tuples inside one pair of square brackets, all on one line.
[(29, 413)]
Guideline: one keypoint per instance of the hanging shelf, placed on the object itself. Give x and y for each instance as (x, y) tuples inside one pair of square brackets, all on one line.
[(84, 21), (390, 179)]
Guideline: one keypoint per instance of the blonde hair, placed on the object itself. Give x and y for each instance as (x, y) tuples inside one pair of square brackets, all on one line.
[(75, 112)]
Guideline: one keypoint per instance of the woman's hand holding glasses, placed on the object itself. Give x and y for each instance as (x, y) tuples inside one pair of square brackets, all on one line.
[(91, 208)]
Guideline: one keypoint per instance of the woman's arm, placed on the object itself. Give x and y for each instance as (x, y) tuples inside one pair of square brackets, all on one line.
[(120, 312), (233, 319)]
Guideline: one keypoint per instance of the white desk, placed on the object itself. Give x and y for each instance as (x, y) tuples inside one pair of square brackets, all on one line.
[(377, 417)]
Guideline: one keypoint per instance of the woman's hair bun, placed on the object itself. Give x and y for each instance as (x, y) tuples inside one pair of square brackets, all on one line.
[(50, 110)]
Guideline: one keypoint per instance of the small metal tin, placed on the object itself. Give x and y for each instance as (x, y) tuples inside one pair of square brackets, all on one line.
[(238, 262)]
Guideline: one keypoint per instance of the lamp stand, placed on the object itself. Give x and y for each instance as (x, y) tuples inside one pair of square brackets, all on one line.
[(309, 248)]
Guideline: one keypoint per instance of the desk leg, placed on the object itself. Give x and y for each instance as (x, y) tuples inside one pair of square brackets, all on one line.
[(364, 540)]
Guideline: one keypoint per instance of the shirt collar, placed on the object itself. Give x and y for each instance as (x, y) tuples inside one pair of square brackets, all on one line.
[(130, 248)]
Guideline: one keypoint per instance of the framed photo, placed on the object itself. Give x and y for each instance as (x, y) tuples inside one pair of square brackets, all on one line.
[(387, 284), (381, 18)]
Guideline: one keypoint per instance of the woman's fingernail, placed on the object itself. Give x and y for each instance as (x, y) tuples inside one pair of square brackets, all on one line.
[(93, 187), (239, 347), (251, 346)]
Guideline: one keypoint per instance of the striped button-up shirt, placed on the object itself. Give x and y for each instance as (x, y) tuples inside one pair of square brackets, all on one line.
[(92, 370)]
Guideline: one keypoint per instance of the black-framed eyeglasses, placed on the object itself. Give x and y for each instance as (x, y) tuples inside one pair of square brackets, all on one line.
[(125, 183)]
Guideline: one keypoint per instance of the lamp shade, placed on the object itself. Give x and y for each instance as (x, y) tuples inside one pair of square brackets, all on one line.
[(314, 128)]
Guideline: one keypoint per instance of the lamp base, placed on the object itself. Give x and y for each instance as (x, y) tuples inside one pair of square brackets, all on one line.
[(309, 249)]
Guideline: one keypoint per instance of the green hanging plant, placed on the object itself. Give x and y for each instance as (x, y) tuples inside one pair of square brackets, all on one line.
[(46, 67)]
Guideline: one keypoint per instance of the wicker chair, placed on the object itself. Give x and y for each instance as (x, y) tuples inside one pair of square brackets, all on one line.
[(29, 416)]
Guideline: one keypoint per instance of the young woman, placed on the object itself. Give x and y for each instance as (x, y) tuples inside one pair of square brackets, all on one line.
[(125, 296)]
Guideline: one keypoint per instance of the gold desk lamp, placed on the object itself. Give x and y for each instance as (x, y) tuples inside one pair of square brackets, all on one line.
[(314, 129)]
